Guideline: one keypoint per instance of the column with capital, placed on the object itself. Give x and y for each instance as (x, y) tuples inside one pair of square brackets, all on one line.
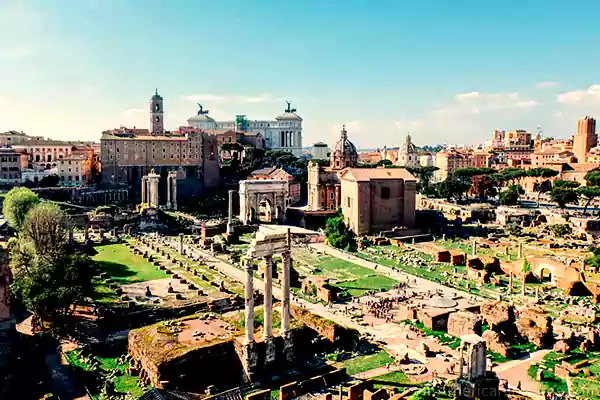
[(288, 343), (250, 360), (169, 189), (270, 351)]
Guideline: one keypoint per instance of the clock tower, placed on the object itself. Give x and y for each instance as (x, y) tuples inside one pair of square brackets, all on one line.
[(157, 126)]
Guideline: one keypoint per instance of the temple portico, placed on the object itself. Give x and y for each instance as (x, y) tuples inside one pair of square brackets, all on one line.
[(265, 246)]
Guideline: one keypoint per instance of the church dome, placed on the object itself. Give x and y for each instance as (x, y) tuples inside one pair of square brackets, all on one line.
[(344, 146), (409, 147), (343, 153)]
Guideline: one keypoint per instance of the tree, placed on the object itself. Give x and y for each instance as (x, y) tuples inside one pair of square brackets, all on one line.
[(385, 163), (338, 234), (588, 193), (48, 277), (513, 174), (424, 174), (560, 184), (540, 174), (17, 202), (483, 186), (467, 175), (44, 226), (593, 178), (513, 229), (49, 181), (510, 196), (562, 196), (560, 230), (452, 187), (426, 393)]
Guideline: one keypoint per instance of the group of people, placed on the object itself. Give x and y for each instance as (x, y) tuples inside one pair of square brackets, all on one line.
[(381, 308)]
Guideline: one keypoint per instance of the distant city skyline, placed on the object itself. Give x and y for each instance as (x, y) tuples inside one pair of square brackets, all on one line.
[(445, 72)]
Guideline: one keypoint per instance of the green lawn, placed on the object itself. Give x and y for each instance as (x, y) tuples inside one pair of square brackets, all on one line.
[(393, 379), (123, 266), (123, 383), (364, 363), (443, 337), (353, 278)]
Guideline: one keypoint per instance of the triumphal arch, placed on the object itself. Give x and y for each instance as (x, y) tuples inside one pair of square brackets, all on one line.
[(263, 201)]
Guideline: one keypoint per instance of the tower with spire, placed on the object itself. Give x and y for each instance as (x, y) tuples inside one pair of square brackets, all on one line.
[(157, 125)]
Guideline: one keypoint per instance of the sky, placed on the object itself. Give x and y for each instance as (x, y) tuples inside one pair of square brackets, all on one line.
[(447, 71)]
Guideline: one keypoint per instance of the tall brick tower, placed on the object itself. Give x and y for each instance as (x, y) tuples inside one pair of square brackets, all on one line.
[(157, 125), (585, 138)]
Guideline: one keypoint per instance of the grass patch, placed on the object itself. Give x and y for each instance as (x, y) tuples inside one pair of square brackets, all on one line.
[(393, 379), (444, 338), (364, 363), (550, 382), (239, 320), (123, 266), (123, 383), (352, 278)]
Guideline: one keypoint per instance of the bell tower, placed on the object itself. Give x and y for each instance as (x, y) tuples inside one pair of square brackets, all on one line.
[(157, 126)]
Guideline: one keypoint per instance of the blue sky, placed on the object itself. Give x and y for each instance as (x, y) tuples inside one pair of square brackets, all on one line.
[(445, 71)]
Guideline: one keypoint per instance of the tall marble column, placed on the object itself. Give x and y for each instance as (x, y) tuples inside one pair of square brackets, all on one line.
[(270, 348), (144, 189), (250, 358), (169, 188), (230, 213), (249, 301), (268, 310), (288, 343)]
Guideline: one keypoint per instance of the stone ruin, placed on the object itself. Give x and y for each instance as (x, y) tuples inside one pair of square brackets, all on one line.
[(266, 244), (535, 325), (463, 323), (476, 382)]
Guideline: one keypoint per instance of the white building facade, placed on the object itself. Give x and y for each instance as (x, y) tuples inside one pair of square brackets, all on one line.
[(282, 133)]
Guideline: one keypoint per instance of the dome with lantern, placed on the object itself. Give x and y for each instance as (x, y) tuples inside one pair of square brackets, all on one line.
[(343, 153)]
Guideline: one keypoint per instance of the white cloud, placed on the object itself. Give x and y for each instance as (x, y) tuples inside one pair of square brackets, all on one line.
[(14, 53), (234, 99), (591, 95), (409, 124), (545, 84), (526, 104), (467, 96), (479, 103)]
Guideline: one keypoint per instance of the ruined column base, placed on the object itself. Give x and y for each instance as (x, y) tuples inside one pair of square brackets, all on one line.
[(270, 351), (288, 347), (250, 361)]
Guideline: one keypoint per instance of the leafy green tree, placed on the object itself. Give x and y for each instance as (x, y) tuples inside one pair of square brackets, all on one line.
[(424, 174), (48, 276), (426, 393), (338, 235), (452, 187), (561, 184), (588, 193), (510, 196), (513, 174), (385, 163), (541, 174), (44, 227), (593, 178), (17, 202), (560, 230), (562, 196), (513, 229)]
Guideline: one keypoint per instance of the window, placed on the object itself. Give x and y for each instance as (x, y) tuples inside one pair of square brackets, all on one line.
[(385, 192), (349, 201)]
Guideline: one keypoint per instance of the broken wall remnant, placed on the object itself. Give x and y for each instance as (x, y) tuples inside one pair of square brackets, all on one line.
[(463, 323), (534, 324)]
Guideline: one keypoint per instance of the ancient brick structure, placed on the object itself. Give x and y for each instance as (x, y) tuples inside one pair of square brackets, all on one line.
[(535, 325), (463, 323)]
